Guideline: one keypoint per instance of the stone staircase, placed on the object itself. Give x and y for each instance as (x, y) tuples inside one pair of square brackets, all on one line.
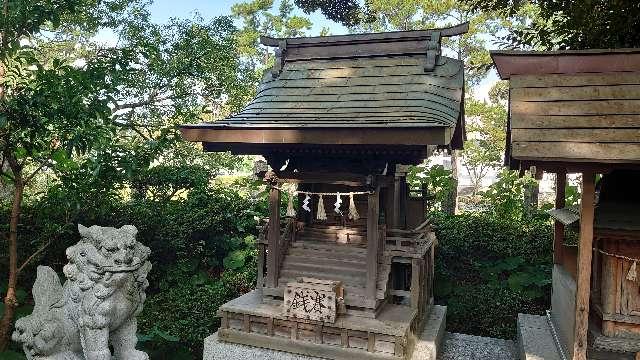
[(333, 253)]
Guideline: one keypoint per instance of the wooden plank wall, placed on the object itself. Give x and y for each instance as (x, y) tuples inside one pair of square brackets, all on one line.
[(592, 117)]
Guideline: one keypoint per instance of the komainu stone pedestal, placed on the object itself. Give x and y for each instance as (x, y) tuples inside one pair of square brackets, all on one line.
[(349, 338)]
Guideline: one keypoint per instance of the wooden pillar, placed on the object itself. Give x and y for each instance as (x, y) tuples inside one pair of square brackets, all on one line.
[(415, 283), (399, 219), (260, 263), (273, 238), (584, 266), (558, 234), (372, 244)]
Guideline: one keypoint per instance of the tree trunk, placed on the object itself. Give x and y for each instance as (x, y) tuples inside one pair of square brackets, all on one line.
[(10, 300), (531, 197), (451, 205)]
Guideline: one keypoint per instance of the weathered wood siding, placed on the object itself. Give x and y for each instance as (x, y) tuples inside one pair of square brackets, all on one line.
[(580, 117)]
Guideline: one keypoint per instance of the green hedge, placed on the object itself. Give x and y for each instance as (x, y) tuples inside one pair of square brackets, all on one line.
[(190, 239), (489, 269)]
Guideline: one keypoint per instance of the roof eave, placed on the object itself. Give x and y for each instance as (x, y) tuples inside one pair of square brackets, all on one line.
[(512, 62), (440, 136)]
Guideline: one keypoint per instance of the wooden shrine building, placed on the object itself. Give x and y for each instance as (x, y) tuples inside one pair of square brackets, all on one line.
[(579, 112), (345, 263)]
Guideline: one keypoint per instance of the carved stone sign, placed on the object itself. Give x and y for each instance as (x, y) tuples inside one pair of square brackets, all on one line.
[(313, 299)]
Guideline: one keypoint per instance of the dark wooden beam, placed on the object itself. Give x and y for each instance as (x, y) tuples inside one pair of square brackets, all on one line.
[(578, 165), (329, 136), (359, 38), (349, 179), (585, 254), (400, 195)]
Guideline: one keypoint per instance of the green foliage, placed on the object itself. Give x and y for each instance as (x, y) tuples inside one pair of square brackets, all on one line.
[(258, 20), (438, 180), (346, 12), (237, 259), (484, 149), (185, 307), (505, 197), (12, 355), (386, 15), (490, 268), (569, 24), (482, 310), (203, 254)]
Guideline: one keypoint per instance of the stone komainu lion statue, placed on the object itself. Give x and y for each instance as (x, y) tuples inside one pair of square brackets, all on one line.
[(98, 304)]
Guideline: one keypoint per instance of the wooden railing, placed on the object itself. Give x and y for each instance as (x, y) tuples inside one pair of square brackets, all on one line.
[(414, 247), (409, 241), (287, 235)]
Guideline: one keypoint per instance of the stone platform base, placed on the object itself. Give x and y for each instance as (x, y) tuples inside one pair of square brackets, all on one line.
[(535, 338), (426, 345), (536, 342)]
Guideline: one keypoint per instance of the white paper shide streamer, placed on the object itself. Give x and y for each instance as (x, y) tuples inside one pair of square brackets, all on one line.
[(337, 204), (353, 212), (632, 275), (305, 203), (322, 215), (291, 212)]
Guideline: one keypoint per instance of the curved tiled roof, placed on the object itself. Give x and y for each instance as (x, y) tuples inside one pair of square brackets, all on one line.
[(363, 92), (364, 89)]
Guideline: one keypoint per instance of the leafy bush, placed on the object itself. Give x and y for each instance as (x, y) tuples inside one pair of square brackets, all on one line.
[(438, 180), (490, 268), (184, 310), (202, 243), (505, 197)]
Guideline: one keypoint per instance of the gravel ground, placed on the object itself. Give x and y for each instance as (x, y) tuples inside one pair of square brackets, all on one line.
[(468, 347), (454, 347)]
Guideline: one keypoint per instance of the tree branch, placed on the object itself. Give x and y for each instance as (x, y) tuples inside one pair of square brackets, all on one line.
[(34, 173), (153, 98), (33, 256)]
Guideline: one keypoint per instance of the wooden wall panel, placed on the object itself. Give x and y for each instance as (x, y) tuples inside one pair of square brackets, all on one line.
[(577, 135), (586, 117), (545, 81), (578, 107), (522, 121), (574, 150)]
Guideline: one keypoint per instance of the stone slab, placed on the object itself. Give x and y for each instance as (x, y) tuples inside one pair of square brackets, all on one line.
[(535, 338), (468, 347), (221, 350), (428, 343), (563, 307)]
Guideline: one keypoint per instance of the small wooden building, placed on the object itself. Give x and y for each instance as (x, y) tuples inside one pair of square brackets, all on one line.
[(346, 273), (579, 112)]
